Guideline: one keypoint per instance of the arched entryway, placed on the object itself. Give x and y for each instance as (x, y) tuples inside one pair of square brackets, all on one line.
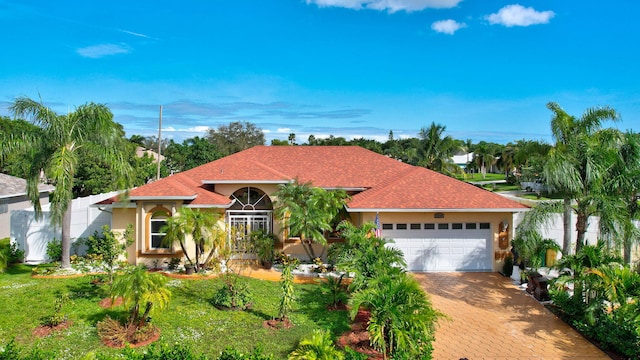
[(251, 211)]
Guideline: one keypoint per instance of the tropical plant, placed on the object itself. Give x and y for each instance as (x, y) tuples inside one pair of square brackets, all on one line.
[(623, 183), (288, 291), (436, 150), (54, 250), (318, 347), (532, 248), (234, 294), (308, 212), (402, 320), (484, 156), (203, 229), (55, 152), (575, 168), (109, 247), (263, 244), (335, 290), (139, 288), (365, 255)]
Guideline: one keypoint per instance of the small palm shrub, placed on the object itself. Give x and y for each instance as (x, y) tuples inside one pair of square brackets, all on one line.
[(402, 320), (364, 255), (137, 288), (319, 346), (334, 290)]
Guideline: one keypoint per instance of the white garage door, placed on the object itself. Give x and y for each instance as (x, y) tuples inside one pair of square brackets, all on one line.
[(443, 247)]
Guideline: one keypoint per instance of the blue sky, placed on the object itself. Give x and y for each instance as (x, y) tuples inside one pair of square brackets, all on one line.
[(352, 68)]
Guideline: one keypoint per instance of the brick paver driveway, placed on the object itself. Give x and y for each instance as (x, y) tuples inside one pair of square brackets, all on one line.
[(490, 318)]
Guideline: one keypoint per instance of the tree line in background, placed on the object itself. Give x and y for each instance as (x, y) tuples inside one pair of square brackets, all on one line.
[(595, 170)]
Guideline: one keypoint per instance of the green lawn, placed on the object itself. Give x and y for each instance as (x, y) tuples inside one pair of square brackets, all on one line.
[(189, 319), (479, 177)]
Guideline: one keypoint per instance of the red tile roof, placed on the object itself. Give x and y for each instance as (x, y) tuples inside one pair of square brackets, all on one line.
[(389, 184)]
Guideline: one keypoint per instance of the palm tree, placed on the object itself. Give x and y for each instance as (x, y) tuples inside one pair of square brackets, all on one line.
[(623, 183), (55, 152), (139, 287), (202, 227), (435, 150), (567, 170), (308, 211), (365, 255), (483, 156), (401, 317)]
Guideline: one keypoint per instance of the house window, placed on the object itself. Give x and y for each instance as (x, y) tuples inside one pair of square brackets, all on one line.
[(443, 226), (485, 226), (429, 226), (156, 219), (415, 226), (4, 207), (456, 226), (471, 226), (156, 223), (401, 226), (387, 226)]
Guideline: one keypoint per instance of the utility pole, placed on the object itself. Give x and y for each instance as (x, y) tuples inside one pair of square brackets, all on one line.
[(159, 142)]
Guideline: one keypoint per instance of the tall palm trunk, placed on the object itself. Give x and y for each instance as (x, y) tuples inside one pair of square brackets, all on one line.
[(566, 223), (581, 228), (66, 238)]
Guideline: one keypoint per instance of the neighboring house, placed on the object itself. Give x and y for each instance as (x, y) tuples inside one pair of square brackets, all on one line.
[(13, 196), (440, 223), (462, 160), (140, 152)]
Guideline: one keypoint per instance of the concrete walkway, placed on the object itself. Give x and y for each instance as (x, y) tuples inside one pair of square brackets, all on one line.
[(490, 318)]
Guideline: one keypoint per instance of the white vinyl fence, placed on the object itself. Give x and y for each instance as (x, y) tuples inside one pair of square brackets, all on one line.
[(33, 235)]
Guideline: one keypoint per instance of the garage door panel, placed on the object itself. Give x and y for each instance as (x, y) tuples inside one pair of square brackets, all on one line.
[(444, 250)]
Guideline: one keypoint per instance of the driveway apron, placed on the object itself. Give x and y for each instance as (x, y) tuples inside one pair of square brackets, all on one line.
[(490, 318)]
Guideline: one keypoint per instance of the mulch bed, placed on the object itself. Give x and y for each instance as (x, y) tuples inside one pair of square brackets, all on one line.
[(46, 330), (153, 337), (277, 324), (358, 337), (106, 303)]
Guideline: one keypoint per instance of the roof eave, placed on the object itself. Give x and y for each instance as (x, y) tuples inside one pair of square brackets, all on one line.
[(413, 210), (213, 182), (190, 197)]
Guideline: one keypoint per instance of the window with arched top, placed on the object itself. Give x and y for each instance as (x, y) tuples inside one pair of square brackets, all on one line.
[(251, 198), (156, 220)]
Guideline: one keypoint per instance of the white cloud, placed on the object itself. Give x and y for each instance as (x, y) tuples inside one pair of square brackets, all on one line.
[(284, 130), (135, 34), (389, 5), (102, 50), (447, 26), (518, 15)]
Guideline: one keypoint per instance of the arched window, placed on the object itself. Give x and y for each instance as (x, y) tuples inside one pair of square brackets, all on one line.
[(250, 198), (156, 220)]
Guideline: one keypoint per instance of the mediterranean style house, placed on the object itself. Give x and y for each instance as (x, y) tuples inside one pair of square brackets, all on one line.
[(440, 223)]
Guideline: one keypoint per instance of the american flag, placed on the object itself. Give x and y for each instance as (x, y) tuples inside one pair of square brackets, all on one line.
[(378, 226)]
